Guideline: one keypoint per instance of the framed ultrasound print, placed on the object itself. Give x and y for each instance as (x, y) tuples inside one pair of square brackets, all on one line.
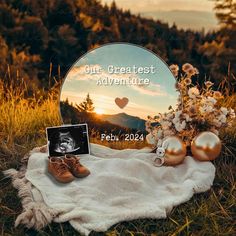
[(68, 139)]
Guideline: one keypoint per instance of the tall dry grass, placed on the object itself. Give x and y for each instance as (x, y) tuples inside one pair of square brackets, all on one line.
[(24, 115)]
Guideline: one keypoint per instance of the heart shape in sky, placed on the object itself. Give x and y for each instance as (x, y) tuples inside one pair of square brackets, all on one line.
[(121, 102)]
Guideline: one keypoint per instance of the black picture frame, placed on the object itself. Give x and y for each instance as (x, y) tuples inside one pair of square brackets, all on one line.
[(68, 139)]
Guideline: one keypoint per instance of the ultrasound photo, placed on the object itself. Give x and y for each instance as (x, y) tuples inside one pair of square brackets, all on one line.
[(70, 139)]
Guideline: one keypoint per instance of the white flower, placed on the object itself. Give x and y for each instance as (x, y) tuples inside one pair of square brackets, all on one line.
[(187, 117), (168, 133), (222, 118), (180, 126), (193, 92), (183, 124), (175, 120), (208, 101), (178, 113), (151, 139), (206, 109), (217, 123), (211, 100), (165, 124), (224, 110), (169, 116)]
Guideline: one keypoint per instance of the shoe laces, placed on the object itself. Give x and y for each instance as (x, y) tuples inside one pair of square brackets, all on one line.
[(77, 163), (73, 160), (60, 166)]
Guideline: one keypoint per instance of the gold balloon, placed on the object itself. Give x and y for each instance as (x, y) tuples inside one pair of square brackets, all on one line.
[(206, 146), (175, 150)]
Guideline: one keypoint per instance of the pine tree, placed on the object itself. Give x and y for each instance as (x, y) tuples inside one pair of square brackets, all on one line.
[(226, 13), (219, 52), (86, 105)]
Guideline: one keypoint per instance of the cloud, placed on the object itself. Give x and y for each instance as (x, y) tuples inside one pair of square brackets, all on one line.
[(152, 90), (97, 73)]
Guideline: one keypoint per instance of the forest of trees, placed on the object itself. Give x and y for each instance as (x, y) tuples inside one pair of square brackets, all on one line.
[(43, 38)]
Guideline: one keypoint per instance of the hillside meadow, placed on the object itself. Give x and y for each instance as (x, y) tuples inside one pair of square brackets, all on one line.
[(22, 126)]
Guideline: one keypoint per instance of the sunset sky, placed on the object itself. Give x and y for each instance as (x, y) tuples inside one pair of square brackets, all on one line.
[(166, 5), (143, 100), (186, 14)]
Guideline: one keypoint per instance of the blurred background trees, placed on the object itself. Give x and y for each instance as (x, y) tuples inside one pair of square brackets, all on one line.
[(37, 34), (221, 51)]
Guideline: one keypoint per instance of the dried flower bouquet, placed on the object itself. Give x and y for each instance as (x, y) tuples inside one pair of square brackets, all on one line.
[(198, 109)]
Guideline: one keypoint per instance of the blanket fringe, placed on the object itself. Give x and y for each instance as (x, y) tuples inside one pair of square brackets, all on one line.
[(35, 214)]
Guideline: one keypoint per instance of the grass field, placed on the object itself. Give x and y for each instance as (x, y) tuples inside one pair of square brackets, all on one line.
[(22, 127)]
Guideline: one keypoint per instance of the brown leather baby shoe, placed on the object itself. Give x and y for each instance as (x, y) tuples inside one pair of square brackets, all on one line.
[(76, 168), (59, 170)]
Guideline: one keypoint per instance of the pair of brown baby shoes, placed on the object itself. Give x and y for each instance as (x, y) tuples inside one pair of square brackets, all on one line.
[(65, 169)]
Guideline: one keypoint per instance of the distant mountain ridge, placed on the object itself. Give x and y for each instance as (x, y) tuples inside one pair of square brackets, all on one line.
[(125, 120), (195, 20)]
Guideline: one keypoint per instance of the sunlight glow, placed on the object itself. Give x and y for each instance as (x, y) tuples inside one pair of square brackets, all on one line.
[(99, 111)]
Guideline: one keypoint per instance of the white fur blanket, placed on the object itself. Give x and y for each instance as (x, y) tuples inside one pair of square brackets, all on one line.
[(123, 185)]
